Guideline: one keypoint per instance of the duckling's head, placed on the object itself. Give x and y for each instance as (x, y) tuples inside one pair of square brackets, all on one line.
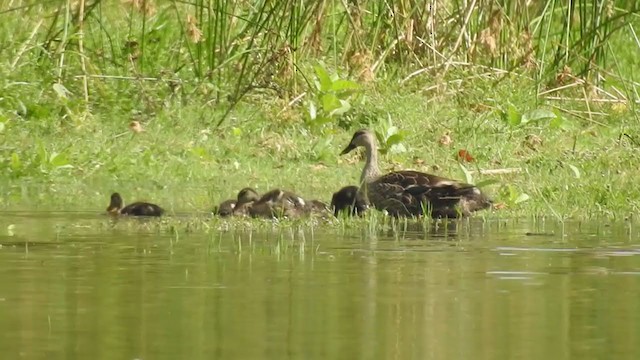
[(225, 208), (363, 137), (247, 195), (116, 203)]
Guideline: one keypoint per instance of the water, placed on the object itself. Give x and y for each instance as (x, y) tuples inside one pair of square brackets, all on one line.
[(77, 286)]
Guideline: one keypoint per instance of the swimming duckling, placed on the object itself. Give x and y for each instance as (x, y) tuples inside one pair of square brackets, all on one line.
[(349, 201), (116, 206)]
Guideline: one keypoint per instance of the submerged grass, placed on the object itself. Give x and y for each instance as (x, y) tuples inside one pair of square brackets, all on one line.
[(227, 102)]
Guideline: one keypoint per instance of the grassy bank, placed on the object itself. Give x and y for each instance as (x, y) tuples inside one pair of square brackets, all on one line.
[(584, 170), (213, 125)]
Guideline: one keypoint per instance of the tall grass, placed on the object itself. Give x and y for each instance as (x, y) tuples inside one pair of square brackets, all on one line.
[(222, 50)]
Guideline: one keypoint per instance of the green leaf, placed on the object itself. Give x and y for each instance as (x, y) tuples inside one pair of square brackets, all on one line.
[(341, 85), (392, 130), (321, 120), (395, 139), (16, 164), (467, 174), (323, 77), (59, 160), (397, 149), (512, 116), (560, 123), (521, 198), (330, 102), (575, 170), (1, 127), (344, 107), (537, 115), (313, 112)]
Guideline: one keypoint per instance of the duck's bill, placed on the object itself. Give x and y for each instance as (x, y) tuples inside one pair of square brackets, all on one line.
[(348, 149)]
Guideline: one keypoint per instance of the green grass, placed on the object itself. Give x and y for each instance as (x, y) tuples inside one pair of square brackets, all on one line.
[(206, 138), (186, 165)]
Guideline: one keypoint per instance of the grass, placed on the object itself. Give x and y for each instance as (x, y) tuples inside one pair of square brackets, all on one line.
[(63, 148), (186, 166)]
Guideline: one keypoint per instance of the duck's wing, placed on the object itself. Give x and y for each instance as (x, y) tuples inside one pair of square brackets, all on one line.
[(409, 178), (389, 196), (408, 193)]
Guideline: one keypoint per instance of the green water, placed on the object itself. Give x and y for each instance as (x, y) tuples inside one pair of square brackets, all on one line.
[(78, 286)]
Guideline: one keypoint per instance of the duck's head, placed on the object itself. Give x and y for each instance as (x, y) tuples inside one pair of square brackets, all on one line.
[(116, 203), (247, 195), (363, 137)]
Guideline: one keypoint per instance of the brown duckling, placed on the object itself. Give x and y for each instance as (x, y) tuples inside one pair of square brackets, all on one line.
[(413, 193), (245, 200), (317, 207), (347, 200), (238, 206), (225, 208), (279, 203), (116, 206)]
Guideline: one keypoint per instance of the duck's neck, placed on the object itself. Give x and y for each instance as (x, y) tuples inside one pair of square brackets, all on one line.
[(370, 171)]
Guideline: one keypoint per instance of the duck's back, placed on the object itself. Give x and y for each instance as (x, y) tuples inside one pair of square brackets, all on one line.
[(413, 193), (142, 209)]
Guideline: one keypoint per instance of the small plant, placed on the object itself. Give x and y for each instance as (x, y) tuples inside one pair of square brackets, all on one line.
[(42, 162), (513, 118), (390, 138), (331, 100), (512, 196), (468, 178)]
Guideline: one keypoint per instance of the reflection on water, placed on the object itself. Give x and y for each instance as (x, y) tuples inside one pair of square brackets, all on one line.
[(80, 286)]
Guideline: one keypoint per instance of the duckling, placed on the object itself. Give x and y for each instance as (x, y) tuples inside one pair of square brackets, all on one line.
[(317, 207), (225, 208), (278, 203), (348, 200), (116, 206), (413, 193), (245, 201)]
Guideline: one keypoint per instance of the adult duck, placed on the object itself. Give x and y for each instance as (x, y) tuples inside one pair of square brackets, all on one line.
[(116, 207), (413, 193), (348, 201)]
